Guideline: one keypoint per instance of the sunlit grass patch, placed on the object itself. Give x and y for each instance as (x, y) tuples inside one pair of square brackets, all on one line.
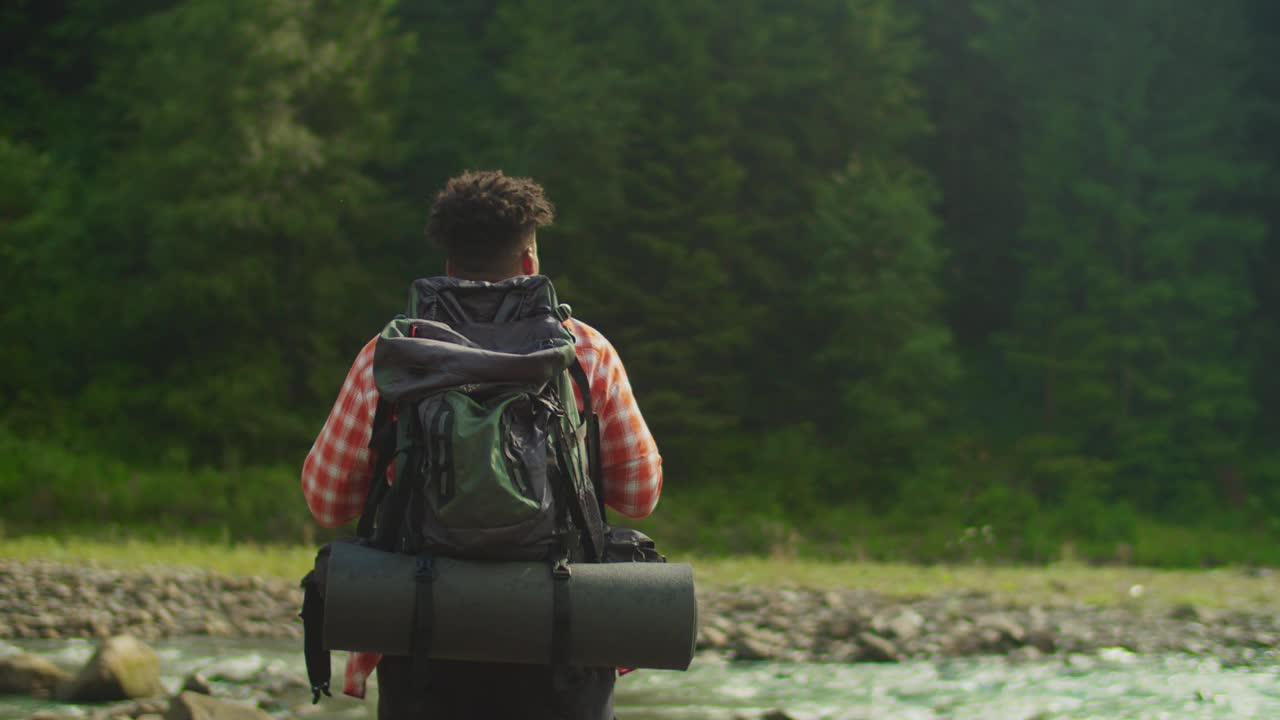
[(231, 559), (1219, 588)]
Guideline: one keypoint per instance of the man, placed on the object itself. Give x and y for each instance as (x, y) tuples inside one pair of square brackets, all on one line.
[(487, 224)]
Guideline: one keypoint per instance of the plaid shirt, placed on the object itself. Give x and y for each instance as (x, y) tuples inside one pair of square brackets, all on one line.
[(335, 476)]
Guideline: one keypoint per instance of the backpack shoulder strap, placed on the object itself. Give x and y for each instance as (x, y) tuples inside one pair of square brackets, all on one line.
[(382, 443), (591, 424)]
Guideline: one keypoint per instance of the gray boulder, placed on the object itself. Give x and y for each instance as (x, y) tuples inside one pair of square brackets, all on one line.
[(27, 674), (751, 648), (122, 668), (759, 644), (905, 625), (877, 649), (710, 637), (197, 683), (1043, 640), (194, 706), (1000, 632)]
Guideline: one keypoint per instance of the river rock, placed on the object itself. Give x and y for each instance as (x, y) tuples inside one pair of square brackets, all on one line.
[(196, 683), (774, 714), (1043, 640), (1002, 632), (134, 709), (26, 674), (122, 668), (1026, 654), (751, 648), (243, 669), (709, 637), (755, 643), (194, 706), (877, 649), (905, 625), (52, 715)]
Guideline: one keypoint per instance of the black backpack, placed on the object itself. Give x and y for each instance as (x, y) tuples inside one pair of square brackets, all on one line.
[(478, 415), (493, 461)]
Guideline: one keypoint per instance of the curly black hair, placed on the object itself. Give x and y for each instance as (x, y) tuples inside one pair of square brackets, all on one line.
[(485, 219)]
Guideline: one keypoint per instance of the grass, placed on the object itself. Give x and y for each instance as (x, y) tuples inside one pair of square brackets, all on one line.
[(287, 561), (1222, 588)]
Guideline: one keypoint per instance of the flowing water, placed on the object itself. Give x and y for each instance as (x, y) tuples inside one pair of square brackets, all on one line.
[(1113, 685)]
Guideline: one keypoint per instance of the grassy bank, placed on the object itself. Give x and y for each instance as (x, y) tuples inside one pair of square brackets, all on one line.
[(1219, 588), (54, 489)]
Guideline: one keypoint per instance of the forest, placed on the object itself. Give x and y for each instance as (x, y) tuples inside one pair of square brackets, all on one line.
[(906, 280)]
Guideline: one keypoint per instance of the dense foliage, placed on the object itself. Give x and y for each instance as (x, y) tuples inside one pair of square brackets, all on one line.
[(881, 270)]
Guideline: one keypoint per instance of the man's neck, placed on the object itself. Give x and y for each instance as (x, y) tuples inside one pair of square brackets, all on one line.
[(485, 277)]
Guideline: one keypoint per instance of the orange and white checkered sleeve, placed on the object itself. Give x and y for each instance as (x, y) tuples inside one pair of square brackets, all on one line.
[(335, 475), (631, 465)]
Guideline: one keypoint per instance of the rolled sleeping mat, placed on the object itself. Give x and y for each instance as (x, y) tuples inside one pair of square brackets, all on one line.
[(635, 615)]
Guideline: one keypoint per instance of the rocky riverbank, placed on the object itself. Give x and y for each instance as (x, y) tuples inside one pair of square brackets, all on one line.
[(54, 600)]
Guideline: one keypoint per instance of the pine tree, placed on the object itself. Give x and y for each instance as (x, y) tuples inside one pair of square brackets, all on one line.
[(35, 231), (1128, 324), (685, 144), (242, 213), (886, 354)]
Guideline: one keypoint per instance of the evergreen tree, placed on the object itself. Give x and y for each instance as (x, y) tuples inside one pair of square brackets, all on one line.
[(35, 230), (1129, 322), (886, 353), (973, 154), (1264, 350), (685, 144), (240, 207)]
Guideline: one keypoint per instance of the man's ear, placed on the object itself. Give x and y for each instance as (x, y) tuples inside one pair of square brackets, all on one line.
[(529, 260)]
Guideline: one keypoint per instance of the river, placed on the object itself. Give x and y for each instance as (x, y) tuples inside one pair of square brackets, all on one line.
[(1110, 685)]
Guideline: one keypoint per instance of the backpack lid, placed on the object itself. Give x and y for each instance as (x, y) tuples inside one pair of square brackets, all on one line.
[(465, 332), (459, 302)]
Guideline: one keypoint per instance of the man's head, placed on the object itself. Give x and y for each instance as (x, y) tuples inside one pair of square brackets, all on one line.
[(487, 224)]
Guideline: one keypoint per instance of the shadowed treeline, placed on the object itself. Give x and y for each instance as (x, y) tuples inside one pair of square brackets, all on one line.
[(881, 271)]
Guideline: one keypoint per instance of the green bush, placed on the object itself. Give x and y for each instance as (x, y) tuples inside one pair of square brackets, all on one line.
[(47, 485)]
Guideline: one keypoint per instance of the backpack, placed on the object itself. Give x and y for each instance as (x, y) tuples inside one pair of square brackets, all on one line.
[(493, 460)]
